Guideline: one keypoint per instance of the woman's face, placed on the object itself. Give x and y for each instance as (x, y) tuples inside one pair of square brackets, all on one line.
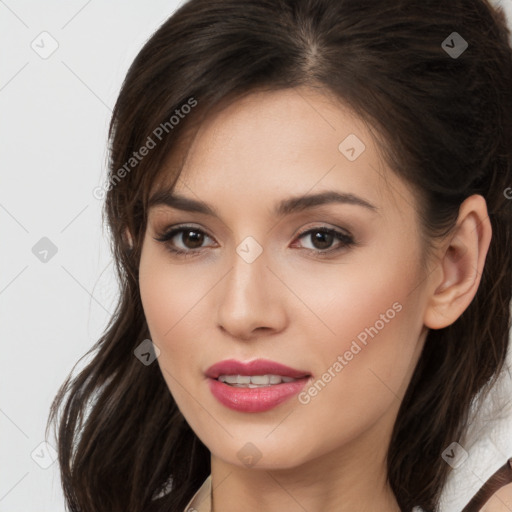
[(331, 288)]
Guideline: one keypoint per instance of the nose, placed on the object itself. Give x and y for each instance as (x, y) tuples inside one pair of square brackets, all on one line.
[(251, 300)]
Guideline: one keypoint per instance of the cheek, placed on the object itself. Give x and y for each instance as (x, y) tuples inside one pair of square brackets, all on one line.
[(369, 344), (173, 299), (168, 292)]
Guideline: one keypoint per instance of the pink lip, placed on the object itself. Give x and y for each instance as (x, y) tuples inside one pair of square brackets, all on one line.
[(255, 367), (254, 399)]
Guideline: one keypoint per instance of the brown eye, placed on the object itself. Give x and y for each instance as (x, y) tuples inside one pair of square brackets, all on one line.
[(192, 239), (184, 239), (322, 239)]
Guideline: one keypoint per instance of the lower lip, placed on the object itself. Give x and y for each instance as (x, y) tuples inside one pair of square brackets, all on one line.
[(255, 399)]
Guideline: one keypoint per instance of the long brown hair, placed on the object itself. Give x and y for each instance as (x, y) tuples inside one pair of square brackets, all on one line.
[(445, 126)]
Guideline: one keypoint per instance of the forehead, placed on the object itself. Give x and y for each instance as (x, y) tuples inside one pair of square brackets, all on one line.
[(274, 144)]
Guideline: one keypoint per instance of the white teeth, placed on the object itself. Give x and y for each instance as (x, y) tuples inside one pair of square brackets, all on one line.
[(254, 381), (261, 379)]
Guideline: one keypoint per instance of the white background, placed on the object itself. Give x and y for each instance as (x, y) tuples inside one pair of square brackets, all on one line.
[(54, 119)]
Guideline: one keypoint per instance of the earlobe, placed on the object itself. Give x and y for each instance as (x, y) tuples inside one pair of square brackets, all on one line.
[(460, 265)]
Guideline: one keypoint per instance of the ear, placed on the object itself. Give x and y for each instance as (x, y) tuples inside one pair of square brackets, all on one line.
[(461, 264), (128, 239)]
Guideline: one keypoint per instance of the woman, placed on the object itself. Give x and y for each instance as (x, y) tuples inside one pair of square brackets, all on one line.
[(309, 213)]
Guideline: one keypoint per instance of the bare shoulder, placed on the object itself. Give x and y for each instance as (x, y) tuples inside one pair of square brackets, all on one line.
[(500, 501)]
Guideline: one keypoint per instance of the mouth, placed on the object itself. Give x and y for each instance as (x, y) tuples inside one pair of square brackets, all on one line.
[(255, 386)]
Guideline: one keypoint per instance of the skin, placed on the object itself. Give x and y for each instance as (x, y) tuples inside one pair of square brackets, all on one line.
[(500, 501), (295, 307)]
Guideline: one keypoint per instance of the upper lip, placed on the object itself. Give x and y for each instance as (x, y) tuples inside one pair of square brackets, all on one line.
[(255, 367)]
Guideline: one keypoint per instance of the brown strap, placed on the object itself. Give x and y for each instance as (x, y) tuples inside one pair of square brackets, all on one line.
[(502, 477)]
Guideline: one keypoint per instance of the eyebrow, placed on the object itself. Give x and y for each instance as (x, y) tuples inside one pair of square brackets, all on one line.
[(284, 207)]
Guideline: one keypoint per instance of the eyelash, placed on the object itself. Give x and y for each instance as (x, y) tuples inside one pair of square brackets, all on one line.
[(346, 240)]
